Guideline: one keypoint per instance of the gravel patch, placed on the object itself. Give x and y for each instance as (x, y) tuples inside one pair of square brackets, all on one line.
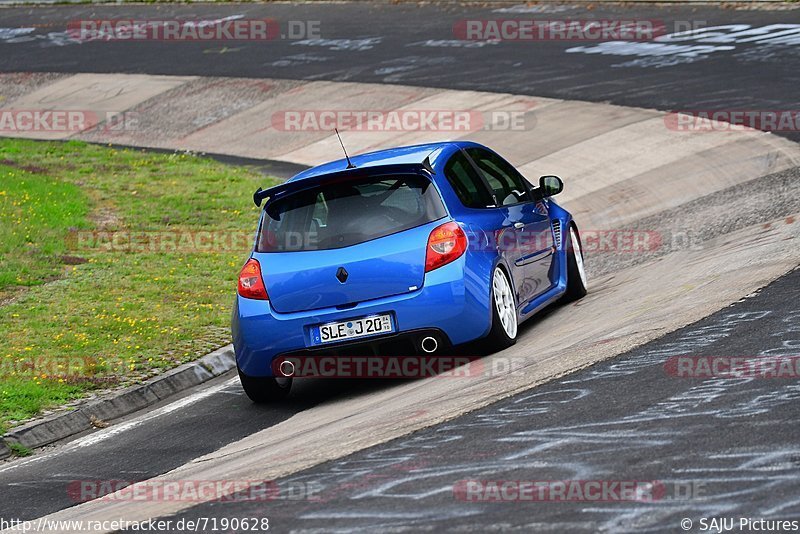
[(16, 84), (190, 107), (758, 201)]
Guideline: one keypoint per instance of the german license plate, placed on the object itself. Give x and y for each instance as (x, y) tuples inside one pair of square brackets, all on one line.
[(353, 328)]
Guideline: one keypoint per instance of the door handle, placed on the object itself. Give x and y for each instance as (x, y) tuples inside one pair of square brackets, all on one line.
[(519, 225)]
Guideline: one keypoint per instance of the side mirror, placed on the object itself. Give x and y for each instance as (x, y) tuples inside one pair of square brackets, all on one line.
[(550, 185)]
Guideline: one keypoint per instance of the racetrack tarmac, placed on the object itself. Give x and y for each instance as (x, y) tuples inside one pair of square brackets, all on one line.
[(716, 447), (411, 44)]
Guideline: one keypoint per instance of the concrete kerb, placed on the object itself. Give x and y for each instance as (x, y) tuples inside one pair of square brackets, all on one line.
[(61, 425)]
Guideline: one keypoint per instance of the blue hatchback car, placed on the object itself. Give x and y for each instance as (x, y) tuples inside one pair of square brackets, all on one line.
[(402, 251)]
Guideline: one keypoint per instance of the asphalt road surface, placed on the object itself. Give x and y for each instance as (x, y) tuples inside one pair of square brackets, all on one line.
[(164, 437), (716, 447), (749, 64)]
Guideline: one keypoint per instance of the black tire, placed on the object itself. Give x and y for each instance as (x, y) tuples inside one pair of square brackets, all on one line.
[(262, 390), (576, 285), (498, 339)]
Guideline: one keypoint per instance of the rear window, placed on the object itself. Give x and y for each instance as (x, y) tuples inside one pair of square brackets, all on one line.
[(347, 213)]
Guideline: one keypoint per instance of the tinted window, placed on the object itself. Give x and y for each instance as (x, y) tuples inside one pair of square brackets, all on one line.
[(467, 184), (508, 185), (347, 213)]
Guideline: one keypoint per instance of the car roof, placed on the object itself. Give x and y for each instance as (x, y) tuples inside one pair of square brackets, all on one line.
[(437, 154)]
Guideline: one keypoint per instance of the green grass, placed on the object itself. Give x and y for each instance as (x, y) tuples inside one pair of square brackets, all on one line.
[(18, 449), (35, 212), (79, 314)]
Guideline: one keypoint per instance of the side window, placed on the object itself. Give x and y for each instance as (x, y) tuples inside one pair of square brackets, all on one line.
[(320, 214), (467, 184), (507, 183)]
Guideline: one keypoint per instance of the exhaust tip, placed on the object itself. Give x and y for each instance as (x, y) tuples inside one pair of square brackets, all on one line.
[(429, 344), (286, 368)]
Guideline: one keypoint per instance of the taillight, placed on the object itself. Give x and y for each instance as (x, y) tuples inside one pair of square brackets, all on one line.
[(445, 244), (251, 285)]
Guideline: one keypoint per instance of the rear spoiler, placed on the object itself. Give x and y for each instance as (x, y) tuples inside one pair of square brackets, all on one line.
[(278, 191)]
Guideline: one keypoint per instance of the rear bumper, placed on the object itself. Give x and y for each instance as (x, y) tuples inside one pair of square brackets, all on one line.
[(447, 302)]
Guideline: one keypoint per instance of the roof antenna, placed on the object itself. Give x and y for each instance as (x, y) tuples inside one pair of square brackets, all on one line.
[(349, 163)]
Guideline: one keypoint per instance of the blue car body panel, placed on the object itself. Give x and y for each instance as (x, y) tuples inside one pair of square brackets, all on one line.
[(387, 274), (388, 266)]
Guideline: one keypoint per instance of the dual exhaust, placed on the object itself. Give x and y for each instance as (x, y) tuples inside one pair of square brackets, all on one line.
[(428, 344)]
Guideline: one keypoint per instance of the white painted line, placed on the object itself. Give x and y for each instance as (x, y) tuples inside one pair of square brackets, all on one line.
[(114, 430)]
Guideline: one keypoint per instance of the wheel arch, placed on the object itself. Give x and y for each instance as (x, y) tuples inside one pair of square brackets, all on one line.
[(572, 224), (503, 265)]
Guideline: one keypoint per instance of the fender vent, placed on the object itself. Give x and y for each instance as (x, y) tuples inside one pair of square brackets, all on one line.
[(557, 233)]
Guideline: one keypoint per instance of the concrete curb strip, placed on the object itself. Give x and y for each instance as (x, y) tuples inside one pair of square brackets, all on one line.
[(44, 431)]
